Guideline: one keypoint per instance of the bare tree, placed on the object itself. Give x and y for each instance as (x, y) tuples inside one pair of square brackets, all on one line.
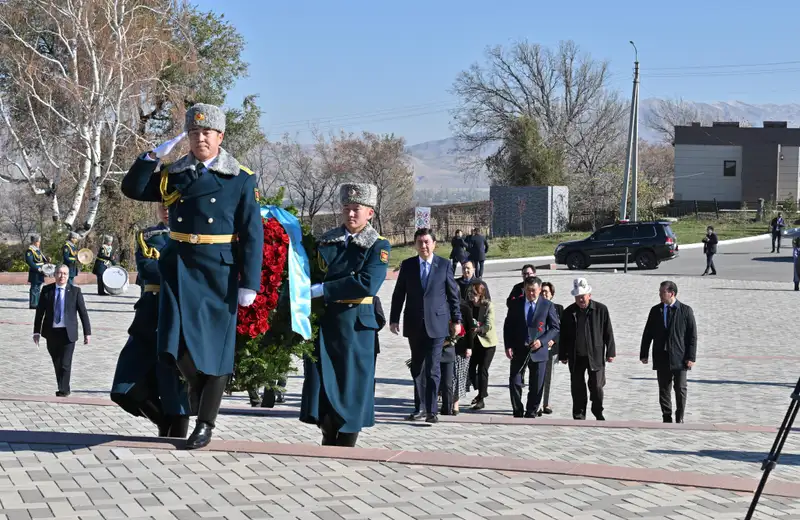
[(666, 114), (380, 160), (305, 173), (260, 160), (657, 169), (558, 90), (22, 213), (73, 77)]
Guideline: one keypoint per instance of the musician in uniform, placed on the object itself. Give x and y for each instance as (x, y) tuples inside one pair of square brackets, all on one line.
[(213, 258), (338, 390), (103, 262), (143, 384), (35, 260), (69, 256)]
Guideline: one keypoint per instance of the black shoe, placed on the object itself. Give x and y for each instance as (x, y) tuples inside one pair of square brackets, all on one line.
[(347, 440), (714, 273), (59, 394), (679, 418), (667, 418), (415, 415), (455, 412), (475, 400), (546, 410), (530, 415), (797, 287), (599, 417), (480, 405), (163, 429), (179, 427), (579, 416), (431, 418), (200, 437), (518, 415)]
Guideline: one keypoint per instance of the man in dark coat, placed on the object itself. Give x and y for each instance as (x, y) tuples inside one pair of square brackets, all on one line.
[(710, 249), (518, 291), (796, 263), (586, 343), (477, 246), (35, 260), (426, 286), (776, 225), (60, 306), (468, 279), (339, 387), (145, 385), (458, 255), (103, 262), (672, 331), (69, 255), (530, 325), (213, 258)]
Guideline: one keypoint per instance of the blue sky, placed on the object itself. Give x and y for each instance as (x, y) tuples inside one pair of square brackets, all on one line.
[(387, 66)]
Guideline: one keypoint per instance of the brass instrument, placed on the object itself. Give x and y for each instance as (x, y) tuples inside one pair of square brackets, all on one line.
[(85, 256)]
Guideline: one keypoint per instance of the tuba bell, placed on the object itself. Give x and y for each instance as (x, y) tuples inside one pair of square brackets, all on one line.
[(85, 256)]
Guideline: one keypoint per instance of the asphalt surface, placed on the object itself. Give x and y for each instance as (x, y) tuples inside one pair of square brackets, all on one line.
[(743, 261)]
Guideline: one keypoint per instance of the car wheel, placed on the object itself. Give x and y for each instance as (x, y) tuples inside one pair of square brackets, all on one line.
[(576, 261), (646, 260)]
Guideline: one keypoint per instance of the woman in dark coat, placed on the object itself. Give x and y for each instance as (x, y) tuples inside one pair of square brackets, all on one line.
[(549, 291)]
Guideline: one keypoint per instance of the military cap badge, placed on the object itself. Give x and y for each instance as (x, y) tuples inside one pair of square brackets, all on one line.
[(199, 117), (352, 192), (384, 256)]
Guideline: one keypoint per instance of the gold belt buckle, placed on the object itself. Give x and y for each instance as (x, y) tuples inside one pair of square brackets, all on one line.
[(194, 238)]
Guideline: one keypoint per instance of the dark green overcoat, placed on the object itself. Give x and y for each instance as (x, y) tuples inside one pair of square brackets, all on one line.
[(341, 381)]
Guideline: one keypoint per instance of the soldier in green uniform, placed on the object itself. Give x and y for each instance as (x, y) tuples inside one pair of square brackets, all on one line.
[(143, 384), (69, 256), (35, 260), (103, 262), (213, 258), (338, 389)]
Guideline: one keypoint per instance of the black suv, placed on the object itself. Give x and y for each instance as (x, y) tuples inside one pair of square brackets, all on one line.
[(648, 244)]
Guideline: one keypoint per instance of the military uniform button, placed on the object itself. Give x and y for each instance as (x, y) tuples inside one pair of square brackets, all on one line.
[(210, 220), (180, 219), (213, 200), (181, 201), (349, 304), (352, 273)]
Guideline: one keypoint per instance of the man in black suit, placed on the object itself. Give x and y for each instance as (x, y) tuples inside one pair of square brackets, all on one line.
[(477, 247), (531, 323), (426, 285), (56, 319), (518, 291), (672, 330), (710, 249)]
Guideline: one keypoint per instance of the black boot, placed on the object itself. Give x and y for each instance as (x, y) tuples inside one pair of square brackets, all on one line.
[(210, 400), (178, 427), (347, 440), (194, 380), (329, 431)]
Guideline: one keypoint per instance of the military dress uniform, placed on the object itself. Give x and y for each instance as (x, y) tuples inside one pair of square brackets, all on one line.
[(215, 248), (338, 388), (102, 263), (69, 257), (144, 385), (35, 260)]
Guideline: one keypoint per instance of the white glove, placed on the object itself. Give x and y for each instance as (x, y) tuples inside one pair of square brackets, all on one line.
[(164, 149), (246, 297), (317, 291)]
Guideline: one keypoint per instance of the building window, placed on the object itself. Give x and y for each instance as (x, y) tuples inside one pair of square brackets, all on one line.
[(729, 169)]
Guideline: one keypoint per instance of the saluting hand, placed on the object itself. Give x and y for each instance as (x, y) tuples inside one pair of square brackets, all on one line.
[(164, 149)]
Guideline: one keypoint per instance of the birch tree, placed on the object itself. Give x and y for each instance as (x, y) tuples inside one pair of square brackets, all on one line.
[(73, 74)]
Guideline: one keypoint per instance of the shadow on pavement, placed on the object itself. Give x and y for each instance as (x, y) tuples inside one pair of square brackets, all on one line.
[(774, 259), (787, 459), (748, 289), (723, 382)]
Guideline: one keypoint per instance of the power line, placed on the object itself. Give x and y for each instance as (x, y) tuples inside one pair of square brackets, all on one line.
[(770, 64), (336, 126), (391, 112), (719, 73)]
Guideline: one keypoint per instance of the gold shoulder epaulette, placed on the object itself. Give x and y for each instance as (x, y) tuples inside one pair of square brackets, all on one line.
[(382, 238), (248, 170)]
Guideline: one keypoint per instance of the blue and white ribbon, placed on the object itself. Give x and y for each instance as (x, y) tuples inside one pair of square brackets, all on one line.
[(299, 270)]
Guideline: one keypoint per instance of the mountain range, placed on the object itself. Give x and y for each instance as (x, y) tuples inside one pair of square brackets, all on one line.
[(437, 172)]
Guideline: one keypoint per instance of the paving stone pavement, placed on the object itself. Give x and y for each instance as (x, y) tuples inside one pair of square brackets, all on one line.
[(747, 366), (46, 481)]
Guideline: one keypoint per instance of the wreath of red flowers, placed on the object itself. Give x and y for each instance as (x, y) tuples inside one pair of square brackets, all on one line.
[(253, 321)]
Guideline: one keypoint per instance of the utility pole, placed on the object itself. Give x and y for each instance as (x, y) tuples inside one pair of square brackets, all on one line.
[(632, 157)]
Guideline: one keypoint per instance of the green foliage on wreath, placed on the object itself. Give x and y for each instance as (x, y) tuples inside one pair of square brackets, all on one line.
[(261, 361)]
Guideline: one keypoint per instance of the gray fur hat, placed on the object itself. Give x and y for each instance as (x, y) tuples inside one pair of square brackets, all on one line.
[(73, 235), (203, 115), (358, 193), (35, 238), (108, 239)]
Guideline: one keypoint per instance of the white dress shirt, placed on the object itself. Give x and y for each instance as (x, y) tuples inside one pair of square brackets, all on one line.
[(59, 324)]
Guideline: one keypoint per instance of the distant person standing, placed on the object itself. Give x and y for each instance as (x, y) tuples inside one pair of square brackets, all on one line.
[(796, 257), (776, 225), (477, 247), (103, 262), (710, 249), (35, 260), (69, 256), (672, 331), (458, 255), (518, 291)]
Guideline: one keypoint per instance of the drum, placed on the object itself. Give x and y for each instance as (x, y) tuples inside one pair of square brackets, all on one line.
[(49, 270), (85, 256), (115, 278)]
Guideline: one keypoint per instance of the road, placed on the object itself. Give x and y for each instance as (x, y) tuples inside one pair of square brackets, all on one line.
[(744, 261)]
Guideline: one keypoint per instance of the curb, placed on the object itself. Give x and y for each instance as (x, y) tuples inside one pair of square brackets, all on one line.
[(732, 241)]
